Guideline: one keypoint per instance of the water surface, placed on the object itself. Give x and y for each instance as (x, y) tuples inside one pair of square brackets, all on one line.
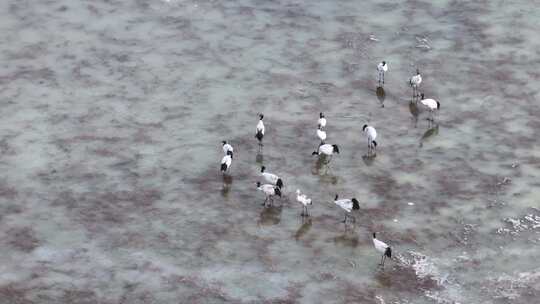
[(114, 111)]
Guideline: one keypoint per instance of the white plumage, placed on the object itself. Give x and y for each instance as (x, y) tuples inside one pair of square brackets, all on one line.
[(382, 248), (321, 124), (431, 104), (259, 131), (415, 82), (260, 127), (269, 190), (327, 150), (382, 67), (348, 205), (321, 134), (271, 178), (304, 200), (371, 134), (345, 204), (226, 161), (227, 147)]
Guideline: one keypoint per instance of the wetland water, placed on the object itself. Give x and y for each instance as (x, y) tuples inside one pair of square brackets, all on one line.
[(113, 113)]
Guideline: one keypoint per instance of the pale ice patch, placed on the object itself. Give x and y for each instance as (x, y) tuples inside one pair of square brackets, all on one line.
[(529, 221), (425, 267), (422, 265), (511, 287)]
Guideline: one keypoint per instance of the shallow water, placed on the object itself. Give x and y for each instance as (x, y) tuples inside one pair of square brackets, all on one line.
[(113, 113)]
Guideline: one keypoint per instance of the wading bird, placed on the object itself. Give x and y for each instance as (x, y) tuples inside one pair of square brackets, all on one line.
[(415, 82), (381, 247), (431, 104), (304, 200), (371, 134), (259, 132), (348, 205), (226, 161), (327, 150), (382, 67), (322, 135), (227, 147), (271, 178), (321, 124), (270, 191)]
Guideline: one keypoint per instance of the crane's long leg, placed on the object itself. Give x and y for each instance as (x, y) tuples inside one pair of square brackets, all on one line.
[(382, 261)]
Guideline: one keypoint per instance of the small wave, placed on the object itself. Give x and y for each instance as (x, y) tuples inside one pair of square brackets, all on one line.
[(527, 222)]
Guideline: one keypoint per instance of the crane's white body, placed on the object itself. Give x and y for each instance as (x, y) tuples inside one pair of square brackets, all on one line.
[(348, 205), (326, 149), (227, 160), (268, 189), (345, 204), (380, 246), (321, 134), (304, 200), (371, 133), (430, 103), (322, 123), (270, 178), (227, 147), (416, 80), (382, 67), (260, 127)]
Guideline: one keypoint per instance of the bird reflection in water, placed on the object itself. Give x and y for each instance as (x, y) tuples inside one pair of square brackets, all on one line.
[(270, 216), (259, 158), (369, 159), (433, 131), (321, 168), (304, 228), (321, 165), (347, 239), (381, 95), (227, 182), (413, 108)]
